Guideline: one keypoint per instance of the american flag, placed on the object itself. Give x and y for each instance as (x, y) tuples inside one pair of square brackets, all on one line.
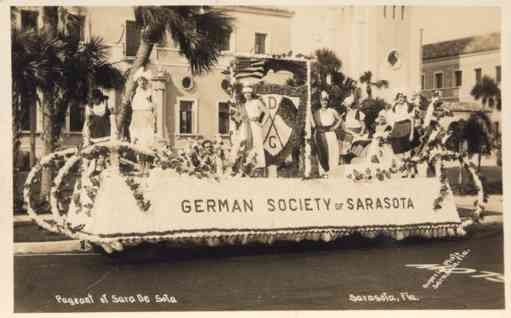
[(246, 68)]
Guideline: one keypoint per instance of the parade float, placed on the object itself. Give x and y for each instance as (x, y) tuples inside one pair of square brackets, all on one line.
[(117, 194)]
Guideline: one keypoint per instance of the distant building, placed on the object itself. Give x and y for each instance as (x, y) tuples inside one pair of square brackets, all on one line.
[(379, 39), (454, 67)]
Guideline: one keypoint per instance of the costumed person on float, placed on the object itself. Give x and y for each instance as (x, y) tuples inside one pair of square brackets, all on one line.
[(97, 118), (143, 117), (96, 128), (379, 151), (253, 113), (355, 131), (326, 121), (386, 115), (402, 135)]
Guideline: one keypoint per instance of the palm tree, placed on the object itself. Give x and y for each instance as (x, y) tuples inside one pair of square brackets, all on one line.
[(457, 142), (50, 18), (488, 91), (478, 135), (62, 70), (327, 64), (30, 69), (199, 31), (31, 66), (367, 79), (85, 67), (326, 76)]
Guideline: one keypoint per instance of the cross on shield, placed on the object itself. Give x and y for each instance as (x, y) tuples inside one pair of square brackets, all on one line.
[(277, 127)]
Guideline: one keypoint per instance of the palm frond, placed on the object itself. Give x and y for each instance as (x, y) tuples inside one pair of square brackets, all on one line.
[(201, 37), (366, 77), (381, 84), (488, 91)]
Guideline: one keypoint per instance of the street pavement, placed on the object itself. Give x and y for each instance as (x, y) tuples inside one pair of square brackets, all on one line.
[(352, 273)]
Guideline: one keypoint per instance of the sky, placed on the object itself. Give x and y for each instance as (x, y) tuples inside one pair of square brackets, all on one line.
[(447, 23)]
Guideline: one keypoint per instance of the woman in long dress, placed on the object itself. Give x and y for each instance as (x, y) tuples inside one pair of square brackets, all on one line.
[(97, 118), (403, 125), (142, 122), (355, 136), (326, 121), (253, 113)]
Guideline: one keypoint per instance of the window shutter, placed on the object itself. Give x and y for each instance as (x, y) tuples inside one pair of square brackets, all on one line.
[(132, 38), (29, 20)]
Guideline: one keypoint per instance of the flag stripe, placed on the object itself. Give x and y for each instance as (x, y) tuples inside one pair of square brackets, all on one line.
[(249, 68)]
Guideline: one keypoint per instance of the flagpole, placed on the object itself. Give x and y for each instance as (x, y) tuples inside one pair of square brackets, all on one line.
[(308, 128)]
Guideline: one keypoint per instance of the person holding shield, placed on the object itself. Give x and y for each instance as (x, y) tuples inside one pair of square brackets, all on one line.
[(326, 121)]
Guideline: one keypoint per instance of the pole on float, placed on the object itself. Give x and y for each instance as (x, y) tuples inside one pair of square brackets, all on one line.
[(308, 127), (114, 138)]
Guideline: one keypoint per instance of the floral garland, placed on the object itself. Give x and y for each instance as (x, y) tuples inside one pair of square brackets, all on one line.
[(436, 152), (136, 187), (379, 173), (47, 161), (208, 159)]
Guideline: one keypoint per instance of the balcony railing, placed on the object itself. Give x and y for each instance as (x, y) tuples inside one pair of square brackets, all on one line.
[(450, 93)]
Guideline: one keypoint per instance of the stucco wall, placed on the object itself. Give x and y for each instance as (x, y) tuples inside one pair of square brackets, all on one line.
[(487, 61)]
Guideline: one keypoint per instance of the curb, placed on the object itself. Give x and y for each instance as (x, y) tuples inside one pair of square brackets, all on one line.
[(25, 218), (70, 246)]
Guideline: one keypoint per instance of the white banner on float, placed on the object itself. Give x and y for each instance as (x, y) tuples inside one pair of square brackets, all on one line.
[(268, 204)]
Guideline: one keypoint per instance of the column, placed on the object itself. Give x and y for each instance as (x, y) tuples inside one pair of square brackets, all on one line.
[(159, 85)]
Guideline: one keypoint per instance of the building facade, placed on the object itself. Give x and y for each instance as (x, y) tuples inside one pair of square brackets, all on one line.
[(380, 39), (186, 105), (375, 38), (454, 67)]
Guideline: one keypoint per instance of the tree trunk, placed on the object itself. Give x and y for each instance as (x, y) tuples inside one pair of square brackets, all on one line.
[(50, 24), (33, 127), (142, 58), (460, 177), (479, 162), (15, 148), (49, 146)]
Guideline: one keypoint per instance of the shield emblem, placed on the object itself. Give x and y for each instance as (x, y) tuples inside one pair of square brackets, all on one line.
[(286, 118), (277, 130)]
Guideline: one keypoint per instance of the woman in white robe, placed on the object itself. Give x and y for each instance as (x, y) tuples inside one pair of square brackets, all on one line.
[(326, 121), (143, 118)]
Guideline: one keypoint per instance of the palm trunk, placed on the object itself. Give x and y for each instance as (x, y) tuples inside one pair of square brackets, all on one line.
[(460, 176), (33, 126), (50, 24), (479, 162), (49, 139), (15, 148), (142, 58)]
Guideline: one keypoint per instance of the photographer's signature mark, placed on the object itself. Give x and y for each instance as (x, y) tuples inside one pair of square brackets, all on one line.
[(451, 266)]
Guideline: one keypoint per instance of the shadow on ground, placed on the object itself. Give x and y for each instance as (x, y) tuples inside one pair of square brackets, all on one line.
[(148, 252)]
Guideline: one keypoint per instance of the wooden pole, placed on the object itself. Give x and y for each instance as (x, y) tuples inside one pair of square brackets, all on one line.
[(308, 128)]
